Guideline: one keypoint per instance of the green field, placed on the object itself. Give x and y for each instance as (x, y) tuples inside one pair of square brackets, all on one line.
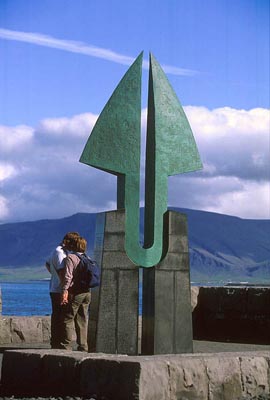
[(23, 274)]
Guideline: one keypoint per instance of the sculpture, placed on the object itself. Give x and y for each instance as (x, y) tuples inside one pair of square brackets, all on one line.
[(114, 146)]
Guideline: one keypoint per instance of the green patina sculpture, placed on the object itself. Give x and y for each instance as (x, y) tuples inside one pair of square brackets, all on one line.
[(114, 146)]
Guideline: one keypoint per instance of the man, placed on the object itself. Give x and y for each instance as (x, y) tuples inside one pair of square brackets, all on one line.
[(55, 265)]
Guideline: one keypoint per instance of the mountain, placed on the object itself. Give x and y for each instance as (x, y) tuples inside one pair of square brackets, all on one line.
[(222, 247), (30, 243), (226, 247)]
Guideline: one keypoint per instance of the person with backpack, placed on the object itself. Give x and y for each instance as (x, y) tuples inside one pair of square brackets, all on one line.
[(55, 266), (76, 296)]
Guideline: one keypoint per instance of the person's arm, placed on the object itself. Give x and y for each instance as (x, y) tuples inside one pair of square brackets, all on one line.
[(68, 273), (59, 259), (66, 278), (61, 274)]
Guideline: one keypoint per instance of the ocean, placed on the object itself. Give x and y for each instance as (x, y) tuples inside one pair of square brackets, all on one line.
[(32, 298), (25, 298)]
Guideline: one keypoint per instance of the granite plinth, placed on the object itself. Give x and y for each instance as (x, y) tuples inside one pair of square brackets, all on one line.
[(166, 315), (237, 376), (114, 312)]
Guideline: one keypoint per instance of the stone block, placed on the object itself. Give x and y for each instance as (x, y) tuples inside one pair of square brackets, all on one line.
[(209, 300), (175, 261), (25, 329), (194, 292), (227, 376), (183, 320), (61, 373), (235, 314), (117, 316), (258, 301), (5, 333), (106, 324), (188, 378), (117, 327), (155, 380), (127, 318), (41, 372), (224, 376), (178, 244), (113, 378), (233, 300), (93, 310), (46, 329), (255, 376), (166, 315), (115, 221), (22, 372), (177, 223), (117, 259), (114, 241)]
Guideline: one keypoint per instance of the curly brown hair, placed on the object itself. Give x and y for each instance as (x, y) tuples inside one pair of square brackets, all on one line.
[(81, 245), (69, 239)]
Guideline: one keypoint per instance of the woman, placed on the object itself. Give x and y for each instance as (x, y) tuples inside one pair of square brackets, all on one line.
[(55, 265), (75, 301)]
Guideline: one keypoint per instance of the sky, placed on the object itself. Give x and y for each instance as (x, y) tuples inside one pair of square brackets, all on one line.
[(59, 64)]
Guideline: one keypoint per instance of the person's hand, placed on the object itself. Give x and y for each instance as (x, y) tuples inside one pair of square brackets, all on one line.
[(64, 298)]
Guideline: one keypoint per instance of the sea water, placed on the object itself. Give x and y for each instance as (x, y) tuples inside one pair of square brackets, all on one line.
[(29, 298), (32, 298), (25, 298)]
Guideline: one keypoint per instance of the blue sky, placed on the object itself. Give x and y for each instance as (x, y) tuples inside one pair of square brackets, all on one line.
[(60, 62)]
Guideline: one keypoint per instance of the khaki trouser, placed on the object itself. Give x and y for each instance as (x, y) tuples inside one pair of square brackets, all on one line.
[(76, 316)]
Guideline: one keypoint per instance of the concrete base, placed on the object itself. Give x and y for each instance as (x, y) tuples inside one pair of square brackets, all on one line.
[(227, 376), (166, 313), (113, 325)]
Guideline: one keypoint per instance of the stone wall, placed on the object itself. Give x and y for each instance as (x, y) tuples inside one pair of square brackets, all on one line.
[(234, 314), (227, 376), (16, 330)]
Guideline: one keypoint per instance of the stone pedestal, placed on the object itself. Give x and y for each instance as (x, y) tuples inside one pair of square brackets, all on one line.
[(167, 315), (113, 324), (98, 254)]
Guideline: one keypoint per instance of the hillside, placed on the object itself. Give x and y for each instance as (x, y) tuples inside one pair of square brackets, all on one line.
[(24, 246), (221, 247), (226, 247)]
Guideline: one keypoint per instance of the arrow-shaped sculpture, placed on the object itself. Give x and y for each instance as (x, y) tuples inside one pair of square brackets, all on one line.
[(114, 146)]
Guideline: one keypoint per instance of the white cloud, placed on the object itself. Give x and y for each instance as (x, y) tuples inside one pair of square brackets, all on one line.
[(7, 171), (222, 121), (77, 126), (83, 48), (251, 201), (13, 138), (236, 142), (40, 175)]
